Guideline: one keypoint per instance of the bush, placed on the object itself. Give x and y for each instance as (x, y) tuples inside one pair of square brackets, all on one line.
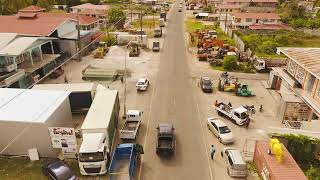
[(313, 173), (207, 9), (117, 17), (110, 40), (230, 63)]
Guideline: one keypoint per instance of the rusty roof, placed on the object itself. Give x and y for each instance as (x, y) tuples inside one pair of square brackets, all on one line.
[(83, 20), (91, 6), (287, 170), (258, 26), (257, 15), (248, 1), (308, 58), (37, 26)]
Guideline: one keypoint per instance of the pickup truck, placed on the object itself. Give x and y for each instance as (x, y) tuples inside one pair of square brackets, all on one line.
[(142, 84), (165, 140), (238, 115), (131, 126), (124, 160)]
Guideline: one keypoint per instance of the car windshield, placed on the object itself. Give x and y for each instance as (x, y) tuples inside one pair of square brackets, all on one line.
[(244, 115), (224, 130), (140, 83), (91, 157), (206, 82)]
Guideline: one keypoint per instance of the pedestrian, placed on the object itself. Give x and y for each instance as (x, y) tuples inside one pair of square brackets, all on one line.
[(213, 150), (247, 122), (66, 79), (121, 79), (229, 104), (216, 103)]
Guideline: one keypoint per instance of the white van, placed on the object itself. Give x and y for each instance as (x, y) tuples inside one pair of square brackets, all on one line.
[(236, 166)]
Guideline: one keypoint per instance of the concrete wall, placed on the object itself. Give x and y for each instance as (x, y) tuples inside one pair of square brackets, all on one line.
[(69, 46), (67, 27), (34, 135)]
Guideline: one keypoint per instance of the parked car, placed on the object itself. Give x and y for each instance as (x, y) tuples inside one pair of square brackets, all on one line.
[(156, 46), (236, 166), (221, 130), (58, 170), (206, 84), (142, 84)]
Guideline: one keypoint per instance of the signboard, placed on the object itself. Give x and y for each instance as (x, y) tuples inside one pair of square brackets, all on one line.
[(64, 138)]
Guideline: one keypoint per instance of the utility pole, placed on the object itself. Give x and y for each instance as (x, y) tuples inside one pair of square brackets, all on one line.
[(225, 23), (79, 38), (125, 80), (153, 3), (141, 23), (131, 10)]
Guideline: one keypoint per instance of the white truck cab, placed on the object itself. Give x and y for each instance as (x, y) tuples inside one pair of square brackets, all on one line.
[(94, 154), (239, 115), (259, 65)]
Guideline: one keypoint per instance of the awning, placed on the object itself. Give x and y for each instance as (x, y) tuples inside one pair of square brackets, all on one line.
[(18, 46)]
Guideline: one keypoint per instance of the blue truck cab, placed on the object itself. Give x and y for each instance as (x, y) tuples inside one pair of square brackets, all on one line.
[(125, 158)]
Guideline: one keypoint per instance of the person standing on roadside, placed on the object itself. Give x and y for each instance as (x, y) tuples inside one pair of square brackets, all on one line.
[(213, 150)]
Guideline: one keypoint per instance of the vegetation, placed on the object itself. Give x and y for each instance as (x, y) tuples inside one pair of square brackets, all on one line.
[(207, 9), (48, 4), (264, 43), (117, 17), (303, 149), (297, 16), (110, 40), (252, 168), (230, 63)]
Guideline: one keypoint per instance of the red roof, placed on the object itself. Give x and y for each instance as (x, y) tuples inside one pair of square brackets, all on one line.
[(230, 6), (257, 15), (248, 1), (32, 8), (26, 14), (91, 6), (268, 26), (83, 20), (287, 170), (38, 26), (94, 12)]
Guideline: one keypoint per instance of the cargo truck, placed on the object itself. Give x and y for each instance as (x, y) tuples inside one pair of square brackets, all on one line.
[(124, 160), (265, 65), (98, 130), (238, 115), (131, 126)]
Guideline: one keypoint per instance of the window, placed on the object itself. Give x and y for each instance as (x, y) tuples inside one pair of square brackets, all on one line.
[(248, 19), (230, 161), (300, 75), (237, 114), (214, 125)]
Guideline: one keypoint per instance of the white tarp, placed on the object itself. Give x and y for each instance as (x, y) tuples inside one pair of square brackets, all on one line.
[(6, 38)]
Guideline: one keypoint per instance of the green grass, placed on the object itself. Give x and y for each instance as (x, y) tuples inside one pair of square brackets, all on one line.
[(193, 25), (219, 68), (22, 168)]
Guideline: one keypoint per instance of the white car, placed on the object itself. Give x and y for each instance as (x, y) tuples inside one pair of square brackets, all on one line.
[(142, 84), (221, 130)]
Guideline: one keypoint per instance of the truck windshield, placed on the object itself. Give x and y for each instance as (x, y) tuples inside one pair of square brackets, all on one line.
[(140, 83), (207, 82), (244, 115), (91, 157), (224, 130)]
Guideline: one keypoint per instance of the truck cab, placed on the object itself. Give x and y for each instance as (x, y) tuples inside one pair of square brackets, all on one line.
[(240, 115), (94, 154), (165, 140), (259, 65)]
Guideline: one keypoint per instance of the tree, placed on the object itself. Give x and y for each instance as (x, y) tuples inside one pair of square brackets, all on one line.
[(117, 17), (46, 3), (71, 3), (94, 1), (313, 173), (230, 63)]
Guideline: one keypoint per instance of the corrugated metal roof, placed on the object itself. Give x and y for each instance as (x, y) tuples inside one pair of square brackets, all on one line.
[(308, 58), (100, 112), (28, 105), (6, 38), (18, 46), (257, 15), (287, 170), (73, 87)]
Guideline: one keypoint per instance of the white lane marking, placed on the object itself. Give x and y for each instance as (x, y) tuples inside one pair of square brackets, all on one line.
[(147, 131), (203, 138)]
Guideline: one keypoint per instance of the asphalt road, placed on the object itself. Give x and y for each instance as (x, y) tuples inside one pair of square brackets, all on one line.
[(173, 101)]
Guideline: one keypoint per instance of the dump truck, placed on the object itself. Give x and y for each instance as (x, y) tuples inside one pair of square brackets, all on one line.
[(157, 32), (156, 46), (238, 115), (265, 65), (165, 140), (124, 160), (131, 125)]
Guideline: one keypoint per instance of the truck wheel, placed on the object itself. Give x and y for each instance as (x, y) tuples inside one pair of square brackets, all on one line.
[(219, 113), (220, 140)]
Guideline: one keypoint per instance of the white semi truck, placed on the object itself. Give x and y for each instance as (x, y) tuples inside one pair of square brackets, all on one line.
[(98, 130)]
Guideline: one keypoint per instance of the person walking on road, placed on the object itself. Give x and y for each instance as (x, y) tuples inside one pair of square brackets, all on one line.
[(247, 122), (213, 150)]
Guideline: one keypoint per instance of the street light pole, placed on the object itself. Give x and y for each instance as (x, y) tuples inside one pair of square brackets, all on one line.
[(79, 38), (141, 23)]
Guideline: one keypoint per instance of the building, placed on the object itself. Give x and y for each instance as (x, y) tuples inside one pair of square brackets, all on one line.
[(269, 168), (88, 9), (258, 3), (25, 60), (244, 20), (25, 118), (228, 8), (300, 79)]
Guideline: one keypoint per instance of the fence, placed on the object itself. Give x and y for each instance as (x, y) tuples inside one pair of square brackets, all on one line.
[(239, 43)]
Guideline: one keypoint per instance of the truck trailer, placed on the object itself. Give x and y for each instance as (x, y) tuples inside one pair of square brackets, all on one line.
[(131, 126), (98, 130)]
